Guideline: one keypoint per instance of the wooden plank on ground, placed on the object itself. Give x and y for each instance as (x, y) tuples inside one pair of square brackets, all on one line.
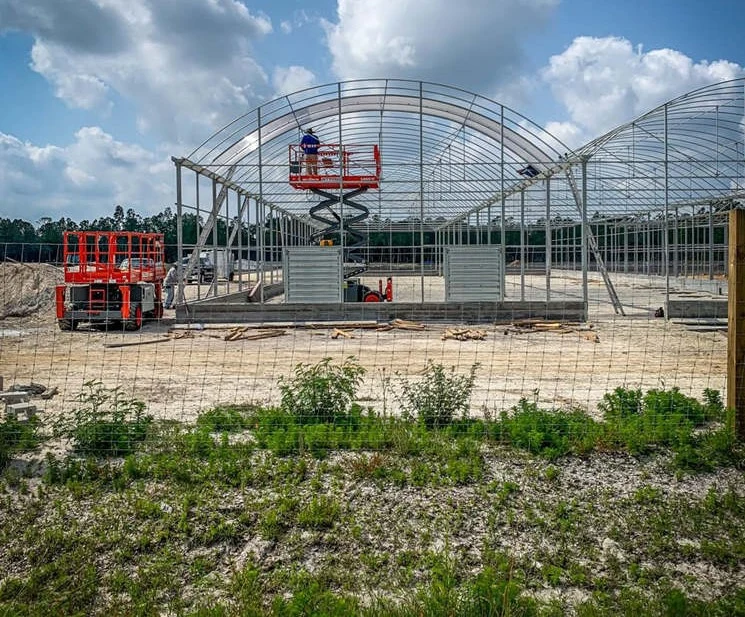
[(404, 324), (135, 343)]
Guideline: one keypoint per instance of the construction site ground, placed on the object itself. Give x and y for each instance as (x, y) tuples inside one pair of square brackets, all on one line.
[(180, 370)]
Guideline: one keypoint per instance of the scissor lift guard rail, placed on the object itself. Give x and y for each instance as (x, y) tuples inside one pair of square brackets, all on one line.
[(111, 277)]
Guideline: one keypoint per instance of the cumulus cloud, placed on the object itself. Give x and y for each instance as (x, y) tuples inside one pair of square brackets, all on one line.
[(475, 45), (291, 79), (82, 180), (187, 66), (604, 82)]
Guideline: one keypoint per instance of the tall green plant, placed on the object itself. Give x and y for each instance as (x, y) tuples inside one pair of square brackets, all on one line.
[(104, 421), (439, 396), (323, 392)]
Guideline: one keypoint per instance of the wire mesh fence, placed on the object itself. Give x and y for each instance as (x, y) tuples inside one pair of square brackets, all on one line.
[(181, 367), (379, 467)]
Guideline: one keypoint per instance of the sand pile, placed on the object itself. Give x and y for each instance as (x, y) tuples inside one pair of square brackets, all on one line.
[(27, 290)]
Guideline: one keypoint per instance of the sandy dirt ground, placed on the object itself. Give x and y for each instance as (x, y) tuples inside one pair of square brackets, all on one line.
[(179, 377)]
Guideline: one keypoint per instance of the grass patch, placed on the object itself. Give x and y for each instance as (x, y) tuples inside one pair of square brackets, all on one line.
[(345, 512), (226, 418)]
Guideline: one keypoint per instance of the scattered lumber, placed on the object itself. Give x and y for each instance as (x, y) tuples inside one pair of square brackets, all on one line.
[(464, 334), (403, 324), (341, 333), (179, 335), (235, 333), (255, 336), (282, 325), (536, 325), (49, 393)]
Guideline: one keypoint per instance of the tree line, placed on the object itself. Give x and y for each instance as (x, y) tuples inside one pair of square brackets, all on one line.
[(23, 241)]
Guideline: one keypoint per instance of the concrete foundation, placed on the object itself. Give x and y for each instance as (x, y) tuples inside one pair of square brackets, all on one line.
[(214, 311), (677, 309)]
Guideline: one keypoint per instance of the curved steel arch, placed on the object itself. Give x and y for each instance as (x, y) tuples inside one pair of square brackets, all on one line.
[(516, 142), (417, 125), (685, 152)]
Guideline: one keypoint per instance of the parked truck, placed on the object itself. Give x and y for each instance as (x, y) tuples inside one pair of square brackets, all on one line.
[(211, 262), (111, 277)]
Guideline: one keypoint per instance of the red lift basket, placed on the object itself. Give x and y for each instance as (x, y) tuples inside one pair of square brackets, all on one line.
[(113, 257), (352, 166)]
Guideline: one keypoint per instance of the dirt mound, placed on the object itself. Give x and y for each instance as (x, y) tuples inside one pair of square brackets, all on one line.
[(27, 290)]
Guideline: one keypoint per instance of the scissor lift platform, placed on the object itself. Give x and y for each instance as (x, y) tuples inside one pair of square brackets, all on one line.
[(353, 166)]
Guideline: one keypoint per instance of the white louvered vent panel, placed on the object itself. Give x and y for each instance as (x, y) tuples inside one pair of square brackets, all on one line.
[(313, 274), (474, 274)]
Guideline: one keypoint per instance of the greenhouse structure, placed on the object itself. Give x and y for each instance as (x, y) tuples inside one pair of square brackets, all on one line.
[(472, 210)]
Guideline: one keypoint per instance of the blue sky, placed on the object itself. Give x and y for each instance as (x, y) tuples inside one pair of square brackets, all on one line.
[(97, 95)]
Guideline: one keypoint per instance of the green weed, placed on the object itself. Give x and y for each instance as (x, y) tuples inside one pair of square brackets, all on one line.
[(227, 418), (439, 397), (105, 422), (17, 436), (323, 392)]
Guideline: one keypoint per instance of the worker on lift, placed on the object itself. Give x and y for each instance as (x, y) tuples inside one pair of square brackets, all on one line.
[(309, 144)]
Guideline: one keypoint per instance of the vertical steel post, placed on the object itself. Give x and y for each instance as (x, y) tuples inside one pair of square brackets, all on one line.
[(260, 200), (341, 184), (583, 234), (522, 244), (421, 189), (179, 235), (502, 222), (548, 239), (213, 284), (664, 226), (711, 241)]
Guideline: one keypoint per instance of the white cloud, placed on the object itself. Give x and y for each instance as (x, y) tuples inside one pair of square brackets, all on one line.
[(286, 27), (604, 82), (567, 133), (291, 79), (187, 66), (83, 180), (76, 88), (475, 44)]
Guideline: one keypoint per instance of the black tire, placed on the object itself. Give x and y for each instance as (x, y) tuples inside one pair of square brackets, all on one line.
[(135, 322), (65, 325)]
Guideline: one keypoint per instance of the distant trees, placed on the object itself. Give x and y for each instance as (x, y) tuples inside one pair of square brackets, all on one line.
[(22, 241)]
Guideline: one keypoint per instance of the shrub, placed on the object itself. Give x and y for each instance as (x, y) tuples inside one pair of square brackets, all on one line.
[(439, 396), (105, 422), (323, 392), (225, 419), (548, 433), (17, 436), (621, 403)]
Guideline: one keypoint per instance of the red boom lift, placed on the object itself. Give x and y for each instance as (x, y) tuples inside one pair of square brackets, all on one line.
[(111, 277), (354, 168)]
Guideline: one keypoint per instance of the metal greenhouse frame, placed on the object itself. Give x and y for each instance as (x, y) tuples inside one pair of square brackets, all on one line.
[(457, 169)]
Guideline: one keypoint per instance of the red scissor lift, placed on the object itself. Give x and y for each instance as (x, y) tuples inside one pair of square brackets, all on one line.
[(354, 168), (111, 277)]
